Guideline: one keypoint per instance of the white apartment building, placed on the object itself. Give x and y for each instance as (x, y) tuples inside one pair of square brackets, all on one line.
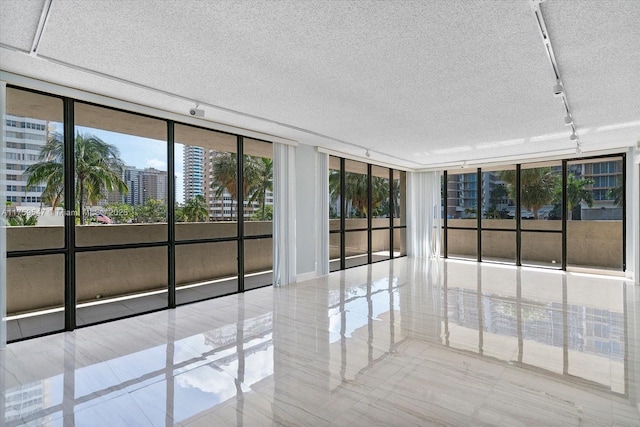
[(24, 138)]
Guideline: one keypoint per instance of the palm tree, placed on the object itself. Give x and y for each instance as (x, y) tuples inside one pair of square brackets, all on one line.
[(616, 195), (537, 187), (380, 196), (260, 171), (356, 190), (98, 169), (195, 210), (257, 177), (576, 193), (225, 176)]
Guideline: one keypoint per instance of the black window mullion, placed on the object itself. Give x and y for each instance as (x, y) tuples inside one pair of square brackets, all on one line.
[(446, 214), (392, 203), (240, 211), (369, 219), (564, 214), (518, 216), (70, 217), (171, 202), (479, 213), (623, 200), (343, 208)]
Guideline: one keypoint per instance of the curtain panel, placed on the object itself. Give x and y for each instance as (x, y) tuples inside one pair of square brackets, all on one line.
[(423, 214), (284, 214)]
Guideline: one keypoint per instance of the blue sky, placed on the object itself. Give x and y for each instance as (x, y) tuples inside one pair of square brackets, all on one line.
[(143, 153)]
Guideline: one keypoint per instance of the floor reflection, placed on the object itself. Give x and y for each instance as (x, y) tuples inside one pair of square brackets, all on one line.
[(404, 341)]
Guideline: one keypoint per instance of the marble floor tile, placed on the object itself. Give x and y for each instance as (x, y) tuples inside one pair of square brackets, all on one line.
[(402, 342)]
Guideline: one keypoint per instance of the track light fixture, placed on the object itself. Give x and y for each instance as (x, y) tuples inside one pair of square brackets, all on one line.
[(367, 153), (573, 136), (568, 120), (558, 90)]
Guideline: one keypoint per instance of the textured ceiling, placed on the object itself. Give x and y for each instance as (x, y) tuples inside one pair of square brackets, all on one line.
[(418, 83)]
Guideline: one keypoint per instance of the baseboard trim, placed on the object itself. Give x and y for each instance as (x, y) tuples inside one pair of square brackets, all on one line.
[(306, 276)]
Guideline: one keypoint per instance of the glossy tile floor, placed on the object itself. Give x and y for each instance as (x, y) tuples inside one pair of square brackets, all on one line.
[(404, 342)]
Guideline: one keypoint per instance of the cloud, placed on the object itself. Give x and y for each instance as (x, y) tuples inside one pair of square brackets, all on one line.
[(157, 163)]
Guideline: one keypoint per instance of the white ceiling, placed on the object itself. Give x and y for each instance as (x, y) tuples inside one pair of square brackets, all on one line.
[(419, 83)]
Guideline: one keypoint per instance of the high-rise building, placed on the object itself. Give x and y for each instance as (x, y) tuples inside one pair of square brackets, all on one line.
[(142, 185), (153, 183), (194, 172), (24, 138), (198, 181), (607, 180)]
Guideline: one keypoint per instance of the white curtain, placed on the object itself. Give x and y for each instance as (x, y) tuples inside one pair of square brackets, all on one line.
[(322, 192), (284, 214), (423, 214)]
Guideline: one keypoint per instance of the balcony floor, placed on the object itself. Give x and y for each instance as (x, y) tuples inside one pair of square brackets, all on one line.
[(403, 342)]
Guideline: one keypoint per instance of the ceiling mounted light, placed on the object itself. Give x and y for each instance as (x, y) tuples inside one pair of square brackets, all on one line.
[(367, 153), (568, 120), (558, 90), (578, 148), (573, 136)]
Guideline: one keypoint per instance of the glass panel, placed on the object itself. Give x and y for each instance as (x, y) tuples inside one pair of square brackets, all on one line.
[(594, 213), (356, 190), (356, 247), (33, 179), (541, 249), (34, 284), (334, 193), (206, 175), (498, 199), (462, 200), (258, 263), (206, 270), (258, 185), (399, 242), (334, 251), (462, 244), (443, 205), (400, 198), (118, 283), (498, 246), (540, 195), (380, 245), (121, 177), (380, 196)]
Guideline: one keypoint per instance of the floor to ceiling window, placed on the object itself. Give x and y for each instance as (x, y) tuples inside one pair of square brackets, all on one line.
[(555, 214), (462, 215), (121, 231), (258, 213), (498, 240), (113, 213), (399, 212), (35, 212), (541, 214), (335, 215), (367, 220), (206, 219), (594, 191)]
